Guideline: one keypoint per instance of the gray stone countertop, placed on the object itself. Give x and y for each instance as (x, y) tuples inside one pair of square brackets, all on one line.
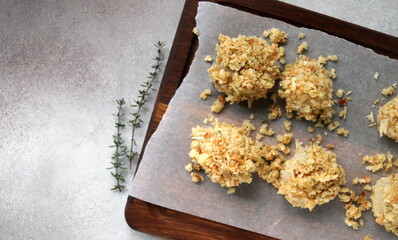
[(62, 66)]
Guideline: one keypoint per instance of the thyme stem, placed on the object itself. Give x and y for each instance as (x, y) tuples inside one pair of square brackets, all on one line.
[(141, 100), (120, 149)]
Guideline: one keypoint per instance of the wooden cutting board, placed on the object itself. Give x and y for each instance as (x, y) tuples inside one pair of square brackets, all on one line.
[(156, 220)]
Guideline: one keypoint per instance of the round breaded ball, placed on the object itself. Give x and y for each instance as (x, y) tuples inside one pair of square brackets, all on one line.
[(308, 90), (245, 68), (311, 177), (387, 119), (385, 202)]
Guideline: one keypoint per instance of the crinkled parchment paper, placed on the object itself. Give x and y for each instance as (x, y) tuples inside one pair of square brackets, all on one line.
[(257, 207)]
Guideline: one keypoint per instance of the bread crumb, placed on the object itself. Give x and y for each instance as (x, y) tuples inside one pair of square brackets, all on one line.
[(195, 31), (274, 112), (343, 113), (388, 91), (196, 177), (188, 167), (231, 191), (367, 187), (332, 126), (378, 162), (208, 58), (339, 93), (371, 118), (264, 129), (259, 136), (218, 105), (310, 129), (342, 131), (354, 207), (288, 125), (376, 76), (302, 47), (332, 73), (248, 127), (285, 139), (330, 146), (322, 60), (319, 125), (275, 35), (349, 93), (205, 93), (333, 58), (367, 237), (363, 180), (282, 60)]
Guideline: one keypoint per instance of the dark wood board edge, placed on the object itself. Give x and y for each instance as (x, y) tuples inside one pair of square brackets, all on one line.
[(172, 224), (156, 220)]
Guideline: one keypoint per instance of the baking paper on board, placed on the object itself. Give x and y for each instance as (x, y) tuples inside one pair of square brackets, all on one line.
[(163, 180)]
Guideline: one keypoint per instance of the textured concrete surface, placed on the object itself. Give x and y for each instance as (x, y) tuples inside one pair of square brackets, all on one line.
[(62, 66)]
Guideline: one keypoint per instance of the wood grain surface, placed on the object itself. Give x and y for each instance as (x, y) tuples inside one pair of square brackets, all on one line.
[(152, 219)]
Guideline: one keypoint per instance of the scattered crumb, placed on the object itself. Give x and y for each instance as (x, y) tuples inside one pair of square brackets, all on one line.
[(248, 127), (264, 129), (208, 58), (332, 73), (274, 98), (288, 125), (259, 136), (354, 207), (275, 35), (302, 47), (274, 112), (378, 162), (319, 139), (330, 146), (322, 60), (332, 126), (218, 105), (289, 115), (349, 93), (371, 118), (301, 35), (376, 101), (367, 187), (343, 113), (196, 177), (188, 167), (285, 139), (205, 93), (195, 31), (388, 91), (367, 237), (283, 148), (326, 133), (376, 76), (282, 60), (319, 125), (333, 58), (310, 129), (342, 131), (363, 180), (251, 116), (231, 191), (339, 93)]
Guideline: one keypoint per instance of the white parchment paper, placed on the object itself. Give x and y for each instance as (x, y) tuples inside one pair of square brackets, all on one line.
[(162, 179)]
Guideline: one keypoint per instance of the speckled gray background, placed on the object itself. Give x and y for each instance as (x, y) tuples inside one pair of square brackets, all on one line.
[(62, 65)]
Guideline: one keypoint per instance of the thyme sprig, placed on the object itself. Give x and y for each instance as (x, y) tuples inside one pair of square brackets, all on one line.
[(120, 148), (138, 105)]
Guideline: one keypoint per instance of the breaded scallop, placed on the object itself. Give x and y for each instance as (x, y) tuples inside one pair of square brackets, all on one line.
[(311, 177), (225, 153), (308, 90), (387, 119), (245, 68), (385, 202)]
